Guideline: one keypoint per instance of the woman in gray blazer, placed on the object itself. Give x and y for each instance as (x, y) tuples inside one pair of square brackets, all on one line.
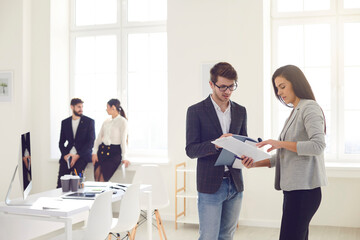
[(299, 160)]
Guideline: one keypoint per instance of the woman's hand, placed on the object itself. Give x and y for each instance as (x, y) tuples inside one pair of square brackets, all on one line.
[(125, 162), (94, 159), (248, 162), (273, 143)]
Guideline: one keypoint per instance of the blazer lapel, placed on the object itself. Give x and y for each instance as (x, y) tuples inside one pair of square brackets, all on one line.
[(69, 123), (80, 126), (290, 121), (234, 115), (210, 109)]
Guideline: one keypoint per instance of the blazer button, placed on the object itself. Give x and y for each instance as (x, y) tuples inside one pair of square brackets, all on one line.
[(108, 154), (108, 147), (102, 146), (102, 152)]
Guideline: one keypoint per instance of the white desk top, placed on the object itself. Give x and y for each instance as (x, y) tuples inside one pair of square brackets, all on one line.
[(51, 204)]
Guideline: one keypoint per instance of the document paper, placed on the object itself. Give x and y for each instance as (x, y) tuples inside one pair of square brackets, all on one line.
[(240, 148)]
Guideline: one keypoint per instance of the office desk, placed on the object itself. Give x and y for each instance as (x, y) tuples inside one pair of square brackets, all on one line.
[(68, 209)]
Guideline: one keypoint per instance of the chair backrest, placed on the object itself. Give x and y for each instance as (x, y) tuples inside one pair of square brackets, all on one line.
[(151, 174), (100, 218), (129, 209)]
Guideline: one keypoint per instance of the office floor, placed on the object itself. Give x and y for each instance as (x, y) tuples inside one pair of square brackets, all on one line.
[(190, 232)]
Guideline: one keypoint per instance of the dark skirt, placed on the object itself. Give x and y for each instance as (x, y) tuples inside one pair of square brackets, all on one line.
[(109, 160)]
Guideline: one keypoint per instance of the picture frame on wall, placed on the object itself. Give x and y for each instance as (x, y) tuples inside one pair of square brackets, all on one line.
[(6, 86)]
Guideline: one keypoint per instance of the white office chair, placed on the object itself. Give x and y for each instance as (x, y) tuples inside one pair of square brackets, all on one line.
[(129, 213), (151, 174), (99, 220)]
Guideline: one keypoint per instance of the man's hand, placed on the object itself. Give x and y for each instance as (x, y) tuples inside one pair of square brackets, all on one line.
[(125, 162), (74, 158), (94, 159), (248, 162), (67, 156), (222, 136)]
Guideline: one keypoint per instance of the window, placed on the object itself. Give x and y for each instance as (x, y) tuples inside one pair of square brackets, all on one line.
[(321, 37), (118, 49)]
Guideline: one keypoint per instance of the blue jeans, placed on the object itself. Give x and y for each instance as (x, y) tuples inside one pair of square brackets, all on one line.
[(219, 212)]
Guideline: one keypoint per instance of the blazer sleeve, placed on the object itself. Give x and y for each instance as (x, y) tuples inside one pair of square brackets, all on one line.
[(273, 160), (89, 143), (314, 124), (194, 147), (123, 140), (62, 139), (98, 140)]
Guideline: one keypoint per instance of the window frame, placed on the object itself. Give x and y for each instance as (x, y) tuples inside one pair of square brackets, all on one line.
[(121, 29), (336, 17)]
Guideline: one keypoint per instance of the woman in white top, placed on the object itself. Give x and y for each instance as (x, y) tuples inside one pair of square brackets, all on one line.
[(111, 143)]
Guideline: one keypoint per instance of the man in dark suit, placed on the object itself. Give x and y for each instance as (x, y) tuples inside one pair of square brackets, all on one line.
[(76, 141), (219, 187)]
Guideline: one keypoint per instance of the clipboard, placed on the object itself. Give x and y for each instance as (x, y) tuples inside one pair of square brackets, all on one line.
[(228, 158)]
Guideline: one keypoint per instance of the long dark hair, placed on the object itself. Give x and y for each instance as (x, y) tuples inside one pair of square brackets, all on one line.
[(300, 84), (115, 102)]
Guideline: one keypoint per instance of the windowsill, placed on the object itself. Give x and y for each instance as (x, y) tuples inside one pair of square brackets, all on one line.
[(342, 170), (149, 160)]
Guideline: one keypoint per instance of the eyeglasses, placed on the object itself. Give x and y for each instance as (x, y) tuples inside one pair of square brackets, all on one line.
[(223, 88)]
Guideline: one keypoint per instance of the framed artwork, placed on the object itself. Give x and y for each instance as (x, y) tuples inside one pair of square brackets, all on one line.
[(6, 86)]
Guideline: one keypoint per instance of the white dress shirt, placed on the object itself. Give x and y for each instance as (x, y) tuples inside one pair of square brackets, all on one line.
[(113, 131), (224, 119), (75, 125)]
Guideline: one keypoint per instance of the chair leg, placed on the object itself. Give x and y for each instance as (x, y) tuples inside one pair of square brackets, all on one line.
[(109, 236), (159, 223), (162, 226), (129, 236), (133, 232)]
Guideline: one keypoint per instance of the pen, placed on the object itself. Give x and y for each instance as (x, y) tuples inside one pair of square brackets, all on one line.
[(75, 171)]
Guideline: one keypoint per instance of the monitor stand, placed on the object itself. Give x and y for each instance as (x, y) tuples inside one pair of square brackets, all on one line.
[(8, 201)]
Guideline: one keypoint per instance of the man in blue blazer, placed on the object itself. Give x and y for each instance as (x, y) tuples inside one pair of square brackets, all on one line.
[(76, 141), (219, 187)]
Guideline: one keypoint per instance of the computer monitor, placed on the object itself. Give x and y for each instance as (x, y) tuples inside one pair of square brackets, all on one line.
[(25, 169), (24, 166)]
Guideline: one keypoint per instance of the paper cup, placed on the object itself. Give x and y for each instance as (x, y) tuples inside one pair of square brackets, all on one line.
[(74, 183), (65, 183)]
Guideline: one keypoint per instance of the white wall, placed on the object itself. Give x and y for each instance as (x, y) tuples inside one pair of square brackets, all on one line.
[(15, 57), (199, 32)]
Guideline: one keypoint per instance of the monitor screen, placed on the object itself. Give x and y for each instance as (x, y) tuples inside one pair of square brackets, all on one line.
[(25, 165)]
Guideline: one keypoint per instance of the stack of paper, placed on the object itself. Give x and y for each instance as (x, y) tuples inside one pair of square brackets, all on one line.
[(233, 147)]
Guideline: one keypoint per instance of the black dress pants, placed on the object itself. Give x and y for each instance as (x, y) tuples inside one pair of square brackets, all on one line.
[(298, 209)]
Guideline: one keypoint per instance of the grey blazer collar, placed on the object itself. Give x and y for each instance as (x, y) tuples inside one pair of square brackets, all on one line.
[(291, 119)]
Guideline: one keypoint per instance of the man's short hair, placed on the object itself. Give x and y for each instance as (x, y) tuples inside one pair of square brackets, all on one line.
[(75, 101), (223, 69)]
